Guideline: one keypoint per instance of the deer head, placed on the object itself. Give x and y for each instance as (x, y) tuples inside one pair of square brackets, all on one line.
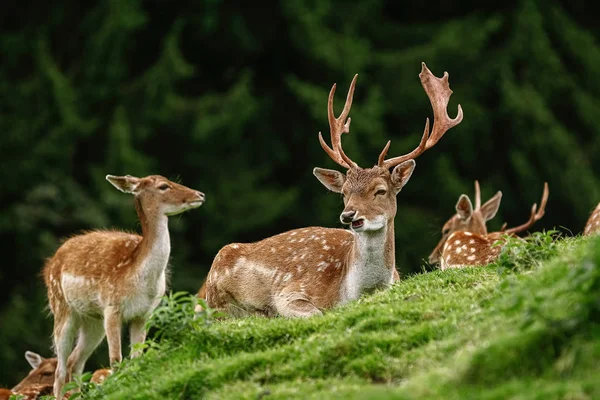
[(158, 194), (370, 193), (467, 219), (42, 371), (467, 248)]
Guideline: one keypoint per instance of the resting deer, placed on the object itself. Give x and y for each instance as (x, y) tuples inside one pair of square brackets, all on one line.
[(301, 272), (98, 280), (465, 240), (40, 379), (593, 223), (41, 374), (467, 219)]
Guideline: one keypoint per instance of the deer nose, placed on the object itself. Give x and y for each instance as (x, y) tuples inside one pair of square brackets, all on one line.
[(347, 216), (433, 258), (200, 195)]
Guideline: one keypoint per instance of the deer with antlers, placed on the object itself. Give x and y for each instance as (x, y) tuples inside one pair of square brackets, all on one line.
[(301, 272), (593, 223), (98, 280), (465, 240)]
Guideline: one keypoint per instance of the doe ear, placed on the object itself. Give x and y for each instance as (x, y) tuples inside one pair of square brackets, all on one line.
[(330, 178), (402, 173), (34, 359), (490, 208), (126, 184), (464, 208)]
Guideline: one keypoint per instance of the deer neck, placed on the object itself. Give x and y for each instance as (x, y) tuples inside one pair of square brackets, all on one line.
[(155, 247), (371, 263)]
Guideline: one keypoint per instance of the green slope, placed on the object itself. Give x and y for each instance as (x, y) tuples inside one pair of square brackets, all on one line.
[(527, 327)]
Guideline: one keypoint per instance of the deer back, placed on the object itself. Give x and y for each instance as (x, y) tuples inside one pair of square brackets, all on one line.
[(593, 223)]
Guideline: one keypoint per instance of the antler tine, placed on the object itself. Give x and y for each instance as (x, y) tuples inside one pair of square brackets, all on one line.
[(477, 196), (535, 216), (337, 127), (439, 92)]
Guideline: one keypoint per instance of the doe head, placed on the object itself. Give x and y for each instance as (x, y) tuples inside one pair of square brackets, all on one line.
[(467, 219), (157, 193), (42, 371)]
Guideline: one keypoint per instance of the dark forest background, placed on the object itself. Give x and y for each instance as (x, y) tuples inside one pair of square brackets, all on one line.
[(227, 97)]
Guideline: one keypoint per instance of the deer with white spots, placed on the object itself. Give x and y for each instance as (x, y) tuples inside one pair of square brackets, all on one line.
[(301, 272), (99, 280), (40, 380), (465, 241), (593, 223)]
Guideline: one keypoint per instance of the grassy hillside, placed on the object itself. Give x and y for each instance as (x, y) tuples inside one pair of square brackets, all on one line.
[(527, 327)]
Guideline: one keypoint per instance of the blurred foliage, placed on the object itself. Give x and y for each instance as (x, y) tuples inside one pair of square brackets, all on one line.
[(228, 98)]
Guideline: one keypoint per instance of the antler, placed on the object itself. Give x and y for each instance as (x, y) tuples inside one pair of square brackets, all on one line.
[(337, 126), (477, 196), (438, 90), (535, 216)]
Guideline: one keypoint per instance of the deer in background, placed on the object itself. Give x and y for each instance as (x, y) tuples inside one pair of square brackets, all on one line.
[(465, 241), (99, 280), (593, 223), (467, 219), (40, 379), (301, 272)]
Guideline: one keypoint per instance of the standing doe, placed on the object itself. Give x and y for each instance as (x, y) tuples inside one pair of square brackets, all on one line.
[(99, 280), (465, 241), (301, 272)]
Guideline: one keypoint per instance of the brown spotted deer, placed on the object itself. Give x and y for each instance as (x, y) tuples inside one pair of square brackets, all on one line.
[(40, 379), (467, 219), (42, 371), (593, 223), (99, 280), (301, 272), (465, 241)]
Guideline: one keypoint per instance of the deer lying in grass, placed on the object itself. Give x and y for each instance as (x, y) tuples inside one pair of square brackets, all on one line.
[(465, 240), (593, 223), (468, 219), (40, 379), (37, 383), (98, 280), (301, 272)]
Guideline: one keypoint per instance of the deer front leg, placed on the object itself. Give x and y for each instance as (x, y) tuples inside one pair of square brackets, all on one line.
[(112, 326), (295, 305), (137, 334)]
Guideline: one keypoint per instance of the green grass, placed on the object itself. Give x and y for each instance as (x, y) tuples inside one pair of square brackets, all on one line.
[(527, 327)]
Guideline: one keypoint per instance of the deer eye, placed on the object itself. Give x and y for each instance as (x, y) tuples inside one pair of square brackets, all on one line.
[(445, 231), (47, 373), (164, 186), (380, 192)]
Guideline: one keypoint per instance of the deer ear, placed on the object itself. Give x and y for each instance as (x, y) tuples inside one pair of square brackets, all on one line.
[(401, 174), (34, 359), (330, 178), (126, 184), (464, 208), (490, 208)]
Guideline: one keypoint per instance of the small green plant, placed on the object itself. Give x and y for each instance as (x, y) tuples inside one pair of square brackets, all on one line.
[(177, 315), (529, 251)]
